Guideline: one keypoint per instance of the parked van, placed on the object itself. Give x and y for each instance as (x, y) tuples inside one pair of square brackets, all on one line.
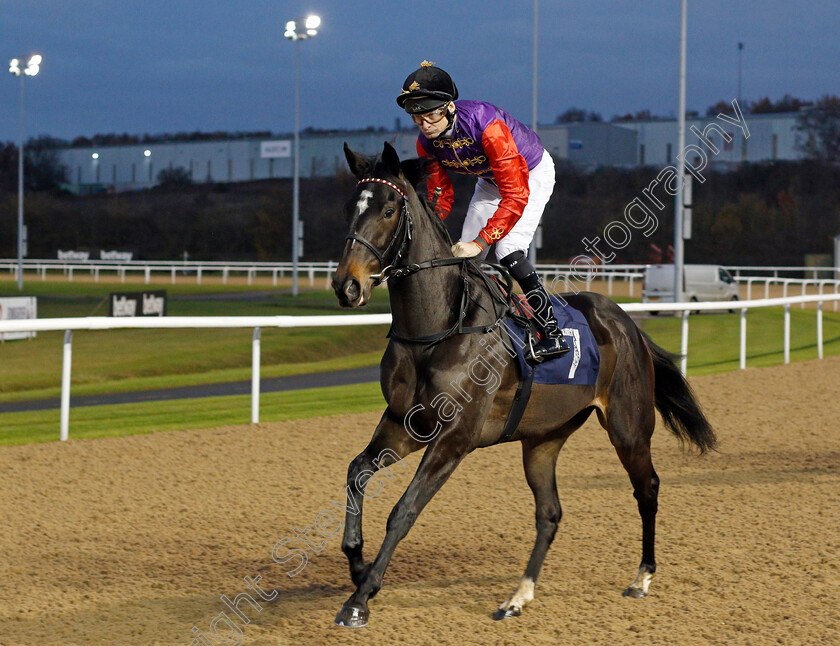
[(700, 283)]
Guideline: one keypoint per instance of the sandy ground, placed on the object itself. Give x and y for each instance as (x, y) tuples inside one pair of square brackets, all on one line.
[(134, 540)]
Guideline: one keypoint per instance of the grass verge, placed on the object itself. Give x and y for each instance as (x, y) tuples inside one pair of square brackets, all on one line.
[(208, 412)]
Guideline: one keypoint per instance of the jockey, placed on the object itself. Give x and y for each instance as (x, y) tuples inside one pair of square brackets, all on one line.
[(515, 180)]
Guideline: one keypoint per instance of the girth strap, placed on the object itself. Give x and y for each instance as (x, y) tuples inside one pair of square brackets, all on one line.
[(517, 407)]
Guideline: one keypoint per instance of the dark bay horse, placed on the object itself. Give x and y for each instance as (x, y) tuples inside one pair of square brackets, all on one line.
[(395, 235)]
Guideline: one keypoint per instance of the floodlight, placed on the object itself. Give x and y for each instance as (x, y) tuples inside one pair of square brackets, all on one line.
[(147, 153), (312, 22), (95, 155)]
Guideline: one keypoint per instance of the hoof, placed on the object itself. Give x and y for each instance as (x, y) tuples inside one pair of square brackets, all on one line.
[(635, 593), (507, 613), (352, 617)]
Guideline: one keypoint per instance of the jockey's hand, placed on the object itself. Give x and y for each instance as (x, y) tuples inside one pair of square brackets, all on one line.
[(466, 249)]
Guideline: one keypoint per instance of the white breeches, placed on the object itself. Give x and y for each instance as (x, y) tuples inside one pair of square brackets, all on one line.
[(485, 201)]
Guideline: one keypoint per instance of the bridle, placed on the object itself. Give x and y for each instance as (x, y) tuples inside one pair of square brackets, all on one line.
[(402, 238), (401, 235)]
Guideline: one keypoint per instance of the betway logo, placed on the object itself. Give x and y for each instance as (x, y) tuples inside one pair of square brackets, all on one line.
[(73, 255)]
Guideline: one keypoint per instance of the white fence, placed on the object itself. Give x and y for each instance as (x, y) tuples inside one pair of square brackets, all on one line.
[(259, 322), (820, 283), (196, 271)]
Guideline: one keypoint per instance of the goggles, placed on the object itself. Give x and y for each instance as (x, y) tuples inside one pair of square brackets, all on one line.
[(432, 116)]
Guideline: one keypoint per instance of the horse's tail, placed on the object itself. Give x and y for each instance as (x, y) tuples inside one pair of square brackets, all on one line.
[(676, 402)]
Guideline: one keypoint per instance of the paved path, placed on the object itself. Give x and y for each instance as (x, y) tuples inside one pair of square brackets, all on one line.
[(277, 384)]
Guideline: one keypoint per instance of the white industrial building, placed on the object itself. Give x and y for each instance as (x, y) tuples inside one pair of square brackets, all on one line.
[(621, 144)]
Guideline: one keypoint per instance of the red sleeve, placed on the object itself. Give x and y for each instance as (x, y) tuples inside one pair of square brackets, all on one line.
[(510, 171), (437, 176)]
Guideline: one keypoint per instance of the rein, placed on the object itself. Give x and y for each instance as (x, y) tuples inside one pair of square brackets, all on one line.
[(402, 236)]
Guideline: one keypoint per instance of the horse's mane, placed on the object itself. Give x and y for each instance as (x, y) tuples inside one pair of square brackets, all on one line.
[(415, 171)]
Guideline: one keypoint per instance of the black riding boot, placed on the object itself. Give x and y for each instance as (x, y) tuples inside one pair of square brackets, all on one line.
[(552, 343)]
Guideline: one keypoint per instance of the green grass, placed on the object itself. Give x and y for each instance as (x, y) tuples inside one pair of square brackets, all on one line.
[(132, 419), (713, 339), (130, 360), (125, 360)]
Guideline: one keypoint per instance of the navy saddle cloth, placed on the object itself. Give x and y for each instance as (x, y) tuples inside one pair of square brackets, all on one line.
[(580, 366)]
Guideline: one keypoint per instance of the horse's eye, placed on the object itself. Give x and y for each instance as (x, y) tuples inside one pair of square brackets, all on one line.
[(389, 213)]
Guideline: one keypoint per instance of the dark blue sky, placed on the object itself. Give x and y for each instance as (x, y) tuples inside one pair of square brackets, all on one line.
[(151, 66)]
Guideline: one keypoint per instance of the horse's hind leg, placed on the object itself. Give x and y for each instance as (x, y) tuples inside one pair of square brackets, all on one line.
[(389, 444), (630, 432), (539, 462)]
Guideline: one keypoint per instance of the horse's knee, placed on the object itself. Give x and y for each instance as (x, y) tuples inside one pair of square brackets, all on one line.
[(361, 462), (352, 545), (401, 520)]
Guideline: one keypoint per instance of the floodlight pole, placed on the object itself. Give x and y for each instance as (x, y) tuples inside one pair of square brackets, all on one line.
[(20, 193), (679, 197), (296, 175), (297, 32)]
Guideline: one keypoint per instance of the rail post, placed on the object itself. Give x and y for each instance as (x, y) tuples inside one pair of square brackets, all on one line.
[(819, 330), (64, 428), (329, 274), (255, 377), (684, 344), (743, 360), (787, 333)]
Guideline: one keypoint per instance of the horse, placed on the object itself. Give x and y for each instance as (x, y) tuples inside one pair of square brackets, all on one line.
[(396, 236)]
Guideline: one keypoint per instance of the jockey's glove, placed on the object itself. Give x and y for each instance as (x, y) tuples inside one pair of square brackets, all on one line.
[(466, 249)]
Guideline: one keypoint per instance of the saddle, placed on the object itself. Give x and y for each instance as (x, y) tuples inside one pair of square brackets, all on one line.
[(578, 367)]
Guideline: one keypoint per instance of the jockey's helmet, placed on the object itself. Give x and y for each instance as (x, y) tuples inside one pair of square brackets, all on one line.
[(426, 88)]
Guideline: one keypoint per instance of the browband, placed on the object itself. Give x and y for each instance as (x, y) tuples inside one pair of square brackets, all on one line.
[(383, 181)]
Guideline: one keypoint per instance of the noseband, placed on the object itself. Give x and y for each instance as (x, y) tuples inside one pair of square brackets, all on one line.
[(401, 236)]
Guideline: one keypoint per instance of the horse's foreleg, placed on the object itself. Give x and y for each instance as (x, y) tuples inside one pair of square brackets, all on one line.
[(539, 462), (437, 465), (389, 444)]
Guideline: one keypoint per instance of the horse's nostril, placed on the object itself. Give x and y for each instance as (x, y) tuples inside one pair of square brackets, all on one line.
[(352, 289)]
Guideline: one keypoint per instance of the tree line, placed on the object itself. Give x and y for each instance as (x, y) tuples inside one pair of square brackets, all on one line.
[(756, 214), (764, 105), (771, 213)]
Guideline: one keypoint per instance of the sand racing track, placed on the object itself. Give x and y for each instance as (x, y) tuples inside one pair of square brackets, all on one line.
[(134, 540)]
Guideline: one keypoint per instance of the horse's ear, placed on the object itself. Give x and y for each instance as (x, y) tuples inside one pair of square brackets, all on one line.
[(391, 160), (415, 170), (359, 165)]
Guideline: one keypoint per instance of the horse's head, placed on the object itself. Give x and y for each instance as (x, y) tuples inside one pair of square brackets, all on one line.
[(380, 225)]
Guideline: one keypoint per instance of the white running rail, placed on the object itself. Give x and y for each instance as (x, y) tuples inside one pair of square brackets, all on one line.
[(259, 322)]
